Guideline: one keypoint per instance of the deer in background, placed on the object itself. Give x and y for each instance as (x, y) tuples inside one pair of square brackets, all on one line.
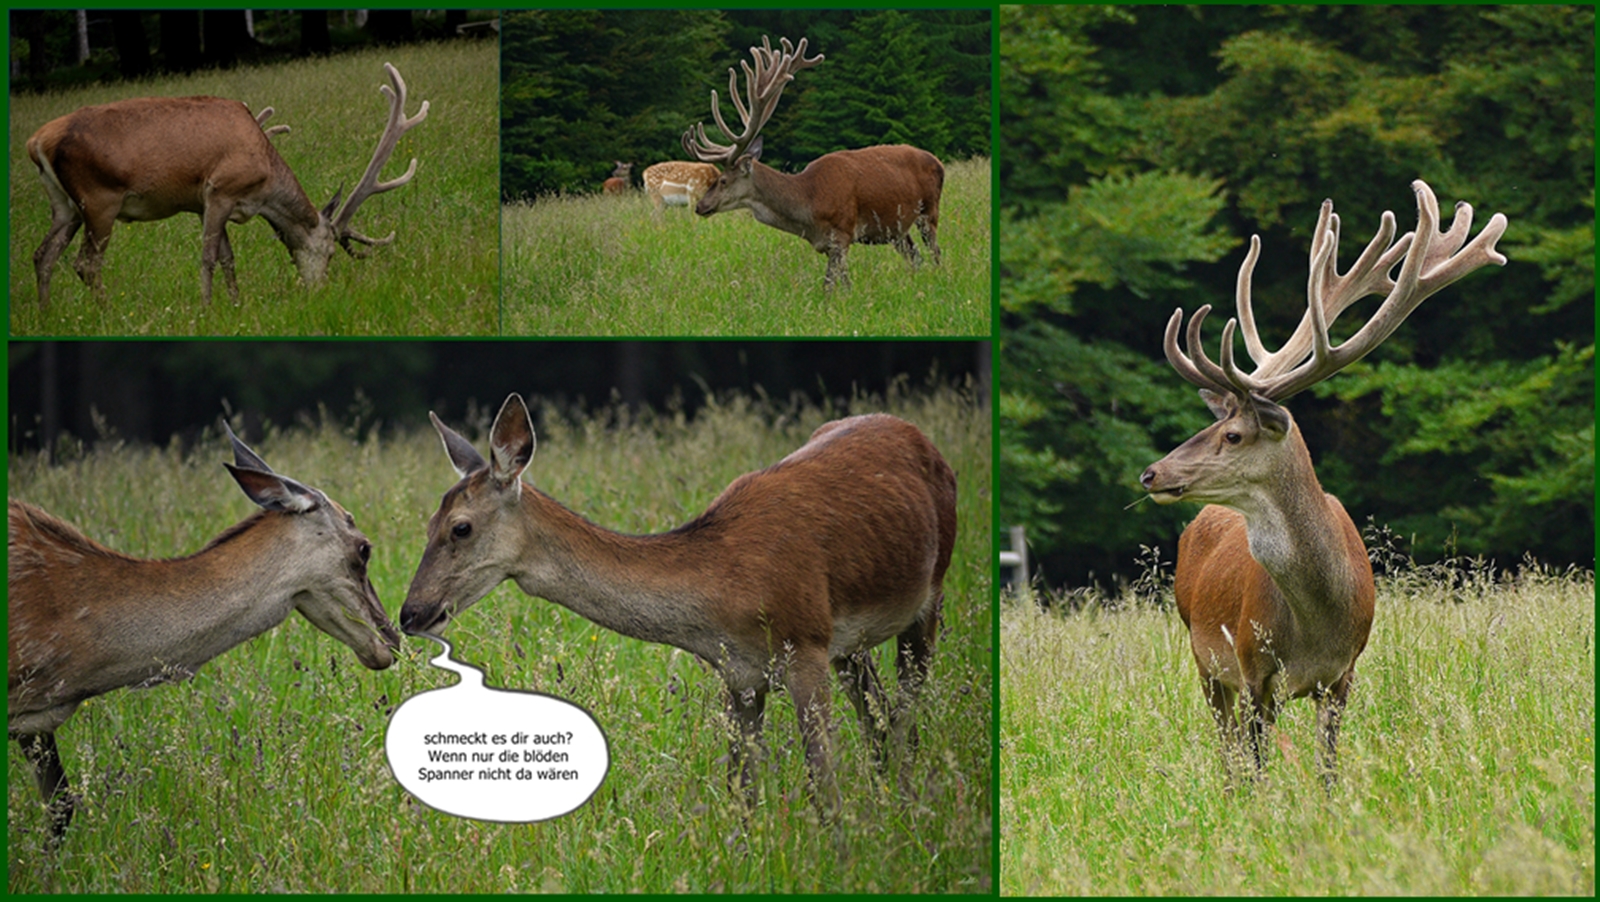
[(874, 195), (1273, 580), (84, 619), (794, 569), (678, 183), (618, 183), (149, 158)]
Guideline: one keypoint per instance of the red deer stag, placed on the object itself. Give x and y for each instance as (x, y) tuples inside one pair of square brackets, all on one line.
[(809, 563), (873, 195), (618, 183), (1273, 581), (84, 619), (149, 158), (678, 183)]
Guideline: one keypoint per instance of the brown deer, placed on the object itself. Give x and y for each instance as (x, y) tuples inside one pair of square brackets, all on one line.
[(809, 563), (618, 183), (678, 183), (1273, 580), (149, 158), (873, 195), (84, 619)]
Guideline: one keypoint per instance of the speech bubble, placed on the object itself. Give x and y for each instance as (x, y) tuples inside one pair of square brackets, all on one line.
[(495, 754)]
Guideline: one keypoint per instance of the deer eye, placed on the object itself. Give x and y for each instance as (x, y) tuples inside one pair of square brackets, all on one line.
[(365, 551), (461, 530), (1233, 438)]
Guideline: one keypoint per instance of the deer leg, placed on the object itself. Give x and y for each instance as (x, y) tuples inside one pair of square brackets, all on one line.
[(213, 235), (747, 710), (40, 751), (1330, 712), (62, 231), (903, 244), (1224, 701), (838, 270), (929, 227), (859, 676), (98, 220), (806, 677), (225, 257), (913, 659)]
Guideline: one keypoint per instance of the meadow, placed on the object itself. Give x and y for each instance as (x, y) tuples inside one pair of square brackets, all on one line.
[(604, 265), (1466, 756), (266, 771), (439, 277)]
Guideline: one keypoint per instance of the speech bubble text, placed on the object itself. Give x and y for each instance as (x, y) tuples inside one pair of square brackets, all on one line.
[(495, 754)]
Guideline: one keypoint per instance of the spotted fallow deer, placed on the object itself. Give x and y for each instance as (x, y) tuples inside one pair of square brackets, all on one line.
[(874, 195), (678, 183), (807, 564), (84, 619), (149, 158), (1273, 580)]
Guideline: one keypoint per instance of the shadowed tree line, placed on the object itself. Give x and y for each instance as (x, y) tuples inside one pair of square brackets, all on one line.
[(583, 88), (51, 48), (153, 391), (1143, 145)]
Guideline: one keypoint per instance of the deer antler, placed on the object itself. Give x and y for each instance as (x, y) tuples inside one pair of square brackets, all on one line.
[(765, 84), (1431, 261), (261, 120), (369, 185)]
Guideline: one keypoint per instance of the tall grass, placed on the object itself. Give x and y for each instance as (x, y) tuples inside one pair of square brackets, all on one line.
[(603, 265), (266, 771), (440, 277), (1466, 758)]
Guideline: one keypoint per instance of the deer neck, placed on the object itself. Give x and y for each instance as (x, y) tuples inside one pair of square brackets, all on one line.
[(285, 204), (650, 587), (780, 200), (1296, 532)]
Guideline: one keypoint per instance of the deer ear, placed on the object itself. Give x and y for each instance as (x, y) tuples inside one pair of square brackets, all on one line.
[(274, 492), (754, 150), (242, 455), (1273, 418), (1220, 405), (511, 442), (463, 457)]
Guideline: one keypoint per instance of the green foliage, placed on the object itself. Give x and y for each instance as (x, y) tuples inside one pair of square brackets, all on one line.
[(582, 88), (1143, 143), (603, 265), (266, 771), (1441, 791)]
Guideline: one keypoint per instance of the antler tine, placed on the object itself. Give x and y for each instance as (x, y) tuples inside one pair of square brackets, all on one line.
[(369, 185), (1198, 369), (1432, 261)]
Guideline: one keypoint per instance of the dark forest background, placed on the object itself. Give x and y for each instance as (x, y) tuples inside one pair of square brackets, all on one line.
[(582, 88), (60, 47), (165, 390), (1141, 146)]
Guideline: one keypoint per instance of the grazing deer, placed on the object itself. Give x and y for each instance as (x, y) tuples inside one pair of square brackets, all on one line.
[(618, 183), (84, 619), (678, 183), (809, 563), (149, 158), (872, 196), (1273, 581)]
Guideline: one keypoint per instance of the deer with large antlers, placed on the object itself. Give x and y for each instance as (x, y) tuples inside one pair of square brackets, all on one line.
[(875, 195), (1273, 580), (794, 570), (149, 158), (83, 619)]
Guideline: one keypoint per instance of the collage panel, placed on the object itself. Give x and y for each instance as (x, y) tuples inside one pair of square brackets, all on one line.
[(857, 140), (1328, 627), (343, 176), (616, 544)]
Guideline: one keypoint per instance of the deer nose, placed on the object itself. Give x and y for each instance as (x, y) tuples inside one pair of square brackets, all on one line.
[(1148, 477)]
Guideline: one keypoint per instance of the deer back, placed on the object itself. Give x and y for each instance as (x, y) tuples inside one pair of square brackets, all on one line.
[(872, 194)]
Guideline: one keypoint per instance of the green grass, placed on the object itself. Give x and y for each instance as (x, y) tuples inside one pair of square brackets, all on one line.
[(602, 265), (440, 277), (266, 771), (1466, 758)]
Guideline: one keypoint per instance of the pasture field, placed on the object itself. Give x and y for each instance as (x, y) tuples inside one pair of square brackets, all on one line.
[(439, 277), (601, 265), (266, 771), (1466, 757)]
